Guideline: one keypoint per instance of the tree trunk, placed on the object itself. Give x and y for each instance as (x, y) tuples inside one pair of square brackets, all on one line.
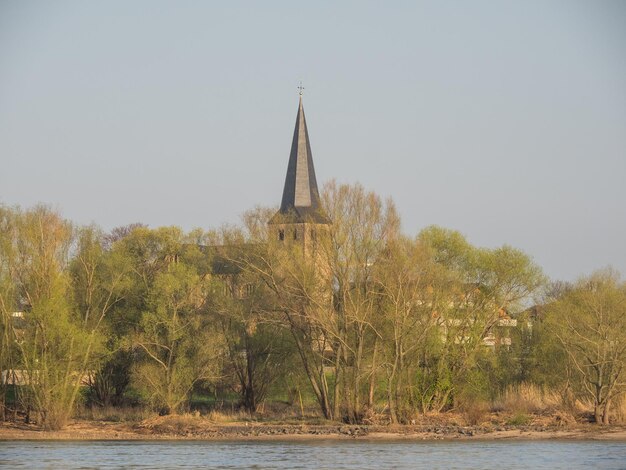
[(317, 380), (597, 413), (393, 413), (324, 401), (370, 395), (336, 386), (356, 386), (605, 411), (250, 402), (391, 390)]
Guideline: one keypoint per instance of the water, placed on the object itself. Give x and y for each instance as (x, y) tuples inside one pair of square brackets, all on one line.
[(315, 454)]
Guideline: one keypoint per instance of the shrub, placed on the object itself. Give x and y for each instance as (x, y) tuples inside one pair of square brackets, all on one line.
[(519, 419)]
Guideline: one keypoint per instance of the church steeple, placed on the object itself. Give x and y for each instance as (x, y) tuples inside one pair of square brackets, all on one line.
[(301, 199)]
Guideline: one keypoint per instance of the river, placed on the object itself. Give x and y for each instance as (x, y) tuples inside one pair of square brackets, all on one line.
[(314, 454)]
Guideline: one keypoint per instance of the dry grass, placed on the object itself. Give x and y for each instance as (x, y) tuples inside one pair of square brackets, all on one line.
[(475, 413), (221, 417), (174, 424), (582, 405), (619, 410), (114, 414), (185, 423), (528, 398)]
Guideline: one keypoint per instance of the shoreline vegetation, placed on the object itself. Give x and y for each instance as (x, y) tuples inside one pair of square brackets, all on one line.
[(169, 428), (121, 425), (348, 329)]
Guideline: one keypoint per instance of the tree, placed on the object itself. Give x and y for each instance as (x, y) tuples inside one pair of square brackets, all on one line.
[(362, 227), (8, 299), (100, 282), (404, 278), (143, 253), (296, 295), (56, 342), (180, 344), (257, 347), (590, 322), (476, 288)]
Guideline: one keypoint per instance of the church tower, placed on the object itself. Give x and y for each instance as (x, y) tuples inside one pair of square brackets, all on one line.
[(300, 218)]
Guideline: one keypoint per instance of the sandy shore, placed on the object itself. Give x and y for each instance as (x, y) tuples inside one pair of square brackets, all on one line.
[(90, 430)]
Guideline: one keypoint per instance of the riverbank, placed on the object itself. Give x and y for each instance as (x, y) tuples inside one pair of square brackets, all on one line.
[(171, 429)]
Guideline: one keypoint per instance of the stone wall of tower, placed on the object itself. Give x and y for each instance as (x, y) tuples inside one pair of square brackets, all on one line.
[(307, 234), (310, 236)]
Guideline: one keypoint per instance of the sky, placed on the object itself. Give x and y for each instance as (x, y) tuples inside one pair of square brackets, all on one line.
[(503, 120)]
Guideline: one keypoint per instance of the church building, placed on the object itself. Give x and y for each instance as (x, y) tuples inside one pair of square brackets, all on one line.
[(300, 217)]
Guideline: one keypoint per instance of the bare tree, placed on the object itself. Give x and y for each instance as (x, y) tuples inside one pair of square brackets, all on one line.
[(257, 344), (404, 278), (362, 227)]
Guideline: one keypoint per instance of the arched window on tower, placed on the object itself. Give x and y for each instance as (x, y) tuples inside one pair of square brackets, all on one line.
[(295, 233), (281, 235)]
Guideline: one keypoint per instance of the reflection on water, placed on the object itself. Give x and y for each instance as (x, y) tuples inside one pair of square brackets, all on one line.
[(314, 454)]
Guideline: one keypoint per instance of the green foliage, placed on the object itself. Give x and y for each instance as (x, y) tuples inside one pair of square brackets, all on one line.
[(474, 288), (54, 343), (177, 341), (519, 419), (109, 383), (359, 318), (589, 320)]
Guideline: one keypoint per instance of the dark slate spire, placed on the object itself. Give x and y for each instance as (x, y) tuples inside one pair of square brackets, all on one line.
[(301, 199)]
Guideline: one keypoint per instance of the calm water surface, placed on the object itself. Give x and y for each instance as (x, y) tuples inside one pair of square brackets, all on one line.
[(314, 454)]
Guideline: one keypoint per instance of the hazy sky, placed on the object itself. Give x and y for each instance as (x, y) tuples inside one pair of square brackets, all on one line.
[(504, 120)]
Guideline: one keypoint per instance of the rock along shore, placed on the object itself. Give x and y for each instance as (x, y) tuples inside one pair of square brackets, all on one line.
[(171, 429)]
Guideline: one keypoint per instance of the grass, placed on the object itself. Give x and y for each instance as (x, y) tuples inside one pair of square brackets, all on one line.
[(221, 417), (517, 406), (527, 398), (519, 419), (475, 412), (174, 424), (619, 412), (114, 414)]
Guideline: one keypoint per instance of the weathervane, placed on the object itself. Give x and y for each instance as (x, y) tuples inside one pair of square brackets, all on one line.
[(300, 89)]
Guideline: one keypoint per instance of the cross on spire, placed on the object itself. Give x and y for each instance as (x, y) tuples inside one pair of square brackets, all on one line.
[(300, 89)]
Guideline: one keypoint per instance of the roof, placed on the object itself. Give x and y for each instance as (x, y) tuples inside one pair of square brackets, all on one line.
[(301, 199), (228, 259)]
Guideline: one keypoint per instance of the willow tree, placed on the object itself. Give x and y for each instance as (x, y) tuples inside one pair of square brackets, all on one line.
[(589, 320), (478, 287), (8, 307), (57, 336), (100, 282), (177, 342)]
